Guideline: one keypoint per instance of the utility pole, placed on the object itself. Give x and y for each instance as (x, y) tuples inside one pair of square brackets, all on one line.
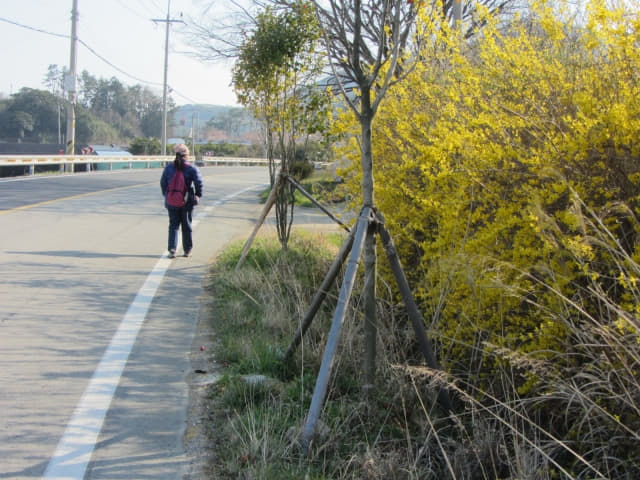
[(195, 127), (193, 135), (168, 22), (70, 84)]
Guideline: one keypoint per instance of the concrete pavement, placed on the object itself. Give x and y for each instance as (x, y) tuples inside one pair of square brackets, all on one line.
[(71, 270)]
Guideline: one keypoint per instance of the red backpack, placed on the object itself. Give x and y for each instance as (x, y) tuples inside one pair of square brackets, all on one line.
[(177, 190)]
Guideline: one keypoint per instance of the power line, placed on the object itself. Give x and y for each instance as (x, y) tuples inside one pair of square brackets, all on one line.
[(6, 20), (97, 55), (128, 7), (158, 7), (84, 44), (173, 90)]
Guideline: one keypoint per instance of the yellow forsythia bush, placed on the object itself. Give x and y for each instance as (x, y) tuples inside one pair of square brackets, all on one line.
[(479, 155), (508, 170)]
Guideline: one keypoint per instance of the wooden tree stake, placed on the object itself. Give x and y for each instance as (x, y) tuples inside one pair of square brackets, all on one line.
[(320, 295), (326, 366), (412, 309), (265, 211), (316, 203)]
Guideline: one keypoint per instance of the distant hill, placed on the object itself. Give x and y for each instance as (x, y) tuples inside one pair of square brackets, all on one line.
[(215, 123)]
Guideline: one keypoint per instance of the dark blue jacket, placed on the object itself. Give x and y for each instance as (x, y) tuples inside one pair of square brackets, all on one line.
[(192, 179)]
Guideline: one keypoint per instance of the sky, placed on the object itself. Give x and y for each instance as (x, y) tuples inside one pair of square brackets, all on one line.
[(123, 33)]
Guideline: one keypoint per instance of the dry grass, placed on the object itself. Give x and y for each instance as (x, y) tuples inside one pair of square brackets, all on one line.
[(582, 419)]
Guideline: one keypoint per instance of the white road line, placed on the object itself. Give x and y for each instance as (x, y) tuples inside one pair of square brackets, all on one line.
[(74, 450)]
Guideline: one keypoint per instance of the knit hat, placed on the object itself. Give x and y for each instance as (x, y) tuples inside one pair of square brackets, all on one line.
[(181, 148)]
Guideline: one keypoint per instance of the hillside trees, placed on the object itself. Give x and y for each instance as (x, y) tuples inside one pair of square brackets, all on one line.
[(107, 111), (516, 162), (133, 110), (232, 121), (30, 115)]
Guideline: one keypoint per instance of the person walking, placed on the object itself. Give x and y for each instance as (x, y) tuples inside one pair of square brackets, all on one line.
[(181, 185)]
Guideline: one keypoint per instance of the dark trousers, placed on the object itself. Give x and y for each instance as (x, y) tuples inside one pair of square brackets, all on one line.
[(180, 217)]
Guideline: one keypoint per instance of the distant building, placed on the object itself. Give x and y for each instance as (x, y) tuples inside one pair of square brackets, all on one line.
[(105, 150)]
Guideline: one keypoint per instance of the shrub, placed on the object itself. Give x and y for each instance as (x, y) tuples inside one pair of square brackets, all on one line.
[(510, 182)]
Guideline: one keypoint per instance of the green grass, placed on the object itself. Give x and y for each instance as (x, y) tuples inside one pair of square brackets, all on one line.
[(255, 313), (321, 185)]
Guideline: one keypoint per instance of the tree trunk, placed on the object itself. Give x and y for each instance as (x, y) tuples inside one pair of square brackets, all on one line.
[(270, 154), (285, 198), (284, 213), (370, 325)]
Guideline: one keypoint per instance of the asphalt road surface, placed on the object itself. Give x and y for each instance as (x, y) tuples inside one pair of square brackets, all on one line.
[(97, 324)]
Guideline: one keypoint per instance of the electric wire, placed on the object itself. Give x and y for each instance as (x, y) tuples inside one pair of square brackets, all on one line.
[(134, 12), (84, 44), (173, 90), (158, 7), (6, 20), (97, 55)]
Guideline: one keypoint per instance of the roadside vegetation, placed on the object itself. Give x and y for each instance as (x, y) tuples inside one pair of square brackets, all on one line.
[(321, 184), (508, 171), (580, 423)]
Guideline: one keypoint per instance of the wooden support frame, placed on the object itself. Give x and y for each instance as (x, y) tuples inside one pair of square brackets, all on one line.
[(368, 221), (320, 295), (315, 202), (412, 308), (322, 382), (271, 200)]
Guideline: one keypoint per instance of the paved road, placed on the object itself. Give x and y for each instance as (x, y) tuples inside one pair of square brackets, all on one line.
[(96, 324)]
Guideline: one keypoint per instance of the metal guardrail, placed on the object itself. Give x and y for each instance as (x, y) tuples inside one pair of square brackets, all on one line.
[(251, 162), (96, 162)]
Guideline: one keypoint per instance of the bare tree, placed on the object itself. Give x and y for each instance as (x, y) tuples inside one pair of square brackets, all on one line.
[(216, 36), (369, 47), (364, 42), (275, 77)]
